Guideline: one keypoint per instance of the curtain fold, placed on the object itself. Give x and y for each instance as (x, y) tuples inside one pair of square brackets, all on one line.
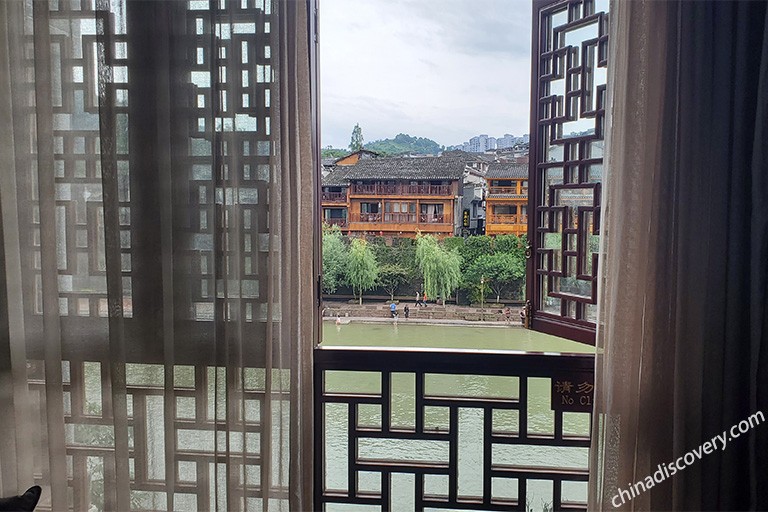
[(682, 325), (157, 259)]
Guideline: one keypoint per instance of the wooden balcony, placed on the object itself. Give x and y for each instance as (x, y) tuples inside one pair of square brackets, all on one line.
[(379, 189), (399, 218), (507, 191), (507, 218), (342, 223), (334, 197), (429, 449)]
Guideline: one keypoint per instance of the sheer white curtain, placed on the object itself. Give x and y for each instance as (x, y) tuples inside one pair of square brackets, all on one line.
[(683, 324), (156, 254)]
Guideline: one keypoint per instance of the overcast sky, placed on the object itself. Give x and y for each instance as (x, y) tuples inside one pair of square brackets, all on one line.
[(442, 69)]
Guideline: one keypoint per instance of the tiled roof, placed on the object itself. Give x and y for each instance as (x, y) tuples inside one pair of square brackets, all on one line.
[(361, 152), (328, 162), (418, 168), (336, 178), (498, 170)]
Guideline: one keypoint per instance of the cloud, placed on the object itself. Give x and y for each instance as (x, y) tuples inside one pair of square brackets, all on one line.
[(447, 69)]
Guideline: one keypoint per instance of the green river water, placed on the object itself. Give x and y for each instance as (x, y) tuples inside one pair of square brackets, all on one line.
[(540, 415)]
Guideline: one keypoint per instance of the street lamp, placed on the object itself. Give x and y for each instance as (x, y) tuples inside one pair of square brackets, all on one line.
[(482, 297)]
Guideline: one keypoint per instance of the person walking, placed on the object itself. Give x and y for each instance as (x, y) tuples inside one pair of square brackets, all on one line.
[(425, 300), (393, 310), (406, 311), (418, 299)]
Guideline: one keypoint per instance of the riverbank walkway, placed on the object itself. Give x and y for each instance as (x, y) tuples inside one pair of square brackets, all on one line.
[(439, 314)]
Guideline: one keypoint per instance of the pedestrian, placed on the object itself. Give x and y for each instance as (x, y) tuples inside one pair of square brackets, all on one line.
[(522, 316), (508, 314), (393, 310), (418, 299), (425, 299), (406, 310)]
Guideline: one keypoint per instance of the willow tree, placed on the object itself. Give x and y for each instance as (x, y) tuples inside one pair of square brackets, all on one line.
[(362, 269), (439, 267), (334, 258)]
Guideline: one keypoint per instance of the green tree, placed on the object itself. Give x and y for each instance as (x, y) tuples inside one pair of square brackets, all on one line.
[(362, 270), (510, 244), (392, 276), (500, 272), (405, 144), (335, 256), (356, 142), (331, 152), (474, 247), (440, 268)]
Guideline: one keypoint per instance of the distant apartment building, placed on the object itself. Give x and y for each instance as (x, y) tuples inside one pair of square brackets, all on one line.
[(507, 141), (398, 197), (483, 143), (506, 202)]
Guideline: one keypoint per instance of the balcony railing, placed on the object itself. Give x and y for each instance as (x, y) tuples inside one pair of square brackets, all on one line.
[(482, 430), (334, 197), (380, 189), (399, 218), (504, 218), (342, 223), (502, 190), (507, 191)]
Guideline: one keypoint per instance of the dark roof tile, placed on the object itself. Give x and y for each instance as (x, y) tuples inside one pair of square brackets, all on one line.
[(499, 170), (424, 168)]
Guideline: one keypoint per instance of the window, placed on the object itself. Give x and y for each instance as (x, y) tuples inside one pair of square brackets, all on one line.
[(566, 155)]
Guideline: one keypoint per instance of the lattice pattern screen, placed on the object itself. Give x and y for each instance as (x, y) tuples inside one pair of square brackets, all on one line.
[(66, 154), (222, 113), (82, 105), (570, 111), (452, 435), (228, 162), (209, 427)]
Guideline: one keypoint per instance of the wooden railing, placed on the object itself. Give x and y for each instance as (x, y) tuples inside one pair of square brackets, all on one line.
[(380, 189), (342, 223), (504, 218), (334, 197), (503, 190), (91, 442), (399, 218), (393, 427)]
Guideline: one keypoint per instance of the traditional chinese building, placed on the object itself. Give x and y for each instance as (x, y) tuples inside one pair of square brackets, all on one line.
[(396, 196), (334, 198), (506, 203), (357, 156)]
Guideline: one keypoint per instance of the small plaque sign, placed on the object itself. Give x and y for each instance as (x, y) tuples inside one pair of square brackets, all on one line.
[(573, 392), (465, 218)]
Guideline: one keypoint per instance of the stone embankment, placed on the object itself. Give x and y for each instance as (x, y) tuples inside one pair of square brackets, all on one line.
[(490, 313)]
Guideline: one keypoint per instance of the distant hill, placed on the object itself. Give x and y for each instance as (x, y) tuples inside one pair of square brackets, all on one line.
[(405, 144), (329, 152)]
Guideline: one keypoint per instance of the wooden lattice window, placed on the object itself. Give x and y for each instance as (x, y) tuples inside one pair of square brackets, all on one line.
[(568, 95)]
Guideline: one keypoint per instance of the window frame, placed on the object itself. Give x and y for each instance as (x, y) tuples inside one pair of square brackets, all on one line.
[(564, 327)]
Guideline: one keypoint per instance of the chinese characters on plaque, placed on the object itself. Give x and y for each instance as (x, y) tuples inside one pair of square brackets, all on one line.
[(573, 393)]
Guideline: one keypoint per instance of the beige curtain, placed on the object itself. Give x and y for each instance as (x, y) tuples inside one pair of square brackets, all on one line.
[(683, 323), (629, 354), (157, 269)]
